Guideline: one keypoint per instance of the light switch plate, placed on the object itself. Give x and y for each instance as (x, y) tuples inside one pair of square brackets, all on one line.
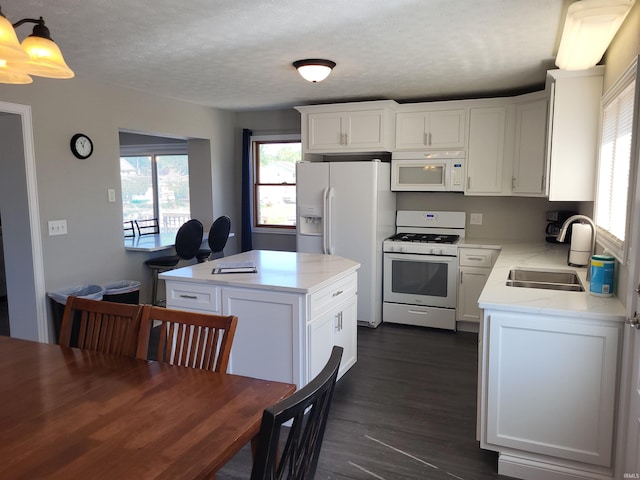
[(57, 227), (111, 192), (475, 219)]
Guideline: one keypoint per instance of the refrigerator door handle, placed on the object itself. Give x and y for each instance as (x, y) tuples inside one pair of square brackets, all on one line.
[(325, 233), (328, 213)]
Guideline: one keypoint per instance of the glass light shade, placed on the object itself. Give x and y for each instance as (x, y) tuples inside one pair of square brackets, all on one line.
[(10, 49), (589, 28), (9, 75), (45, 58), (314, 70)]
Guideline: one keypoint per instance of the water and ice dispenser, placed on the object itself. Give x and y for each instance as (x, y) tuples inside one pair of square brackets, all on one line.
[(310, 220)]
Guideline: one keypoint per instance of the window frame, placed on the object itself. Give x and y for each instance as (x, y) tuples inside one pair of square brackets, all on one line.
[(153, 151), (256, 140), (620, 250)]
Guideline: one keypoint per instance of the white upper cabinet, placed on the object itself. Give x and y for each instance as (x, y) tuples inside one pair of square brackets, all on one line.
[(348, 127), (488, 173), (572, 143), (529, 173), (438, 129)]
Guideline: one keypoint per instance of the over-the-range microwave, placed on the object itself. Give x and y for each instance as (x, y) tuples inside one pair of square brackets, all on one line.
[(428, 171)]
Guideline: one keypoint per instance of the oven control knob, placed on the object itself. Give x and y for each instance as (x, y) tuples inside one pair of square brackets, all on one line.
[(437, 251)]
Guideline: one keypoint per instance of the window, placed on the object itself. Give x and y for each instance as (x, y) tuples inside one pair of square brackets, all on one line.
[(274, 183), (614, 169), (156, 186)]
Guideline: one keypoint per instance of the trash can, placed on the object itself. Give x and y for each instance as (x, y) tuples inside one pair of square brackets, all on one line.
[(59, 300), (122, 291)]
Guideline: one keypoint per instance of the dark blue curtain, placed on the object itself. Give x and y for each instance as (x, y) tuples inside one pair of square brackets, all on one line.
[(245, 228)]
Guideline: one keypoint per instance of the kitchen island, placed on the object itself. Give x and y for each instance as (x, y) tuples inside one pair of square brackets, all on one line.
[(290, 312), (549, 364)]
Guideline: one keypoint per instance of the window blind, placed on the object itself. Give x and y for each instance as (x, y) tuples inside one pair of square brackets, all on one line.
[(614, 168)]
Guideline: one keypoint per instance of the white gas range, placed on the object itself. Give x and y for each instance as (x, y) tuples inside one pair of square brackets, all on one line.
[(421, 268)]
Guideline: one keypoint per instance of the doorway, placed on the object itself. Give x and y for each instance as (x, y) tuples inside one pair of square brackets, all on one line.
[(21, 237)]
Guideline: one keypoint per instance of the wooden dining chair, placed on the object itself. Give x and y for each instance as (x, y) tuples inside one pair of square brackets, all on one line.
[(188, 339), (100, 326), (308, 410)]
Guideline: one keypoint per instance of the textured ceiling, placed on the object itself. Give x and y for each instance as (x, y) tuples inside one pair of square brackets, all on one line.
[(237, 54)]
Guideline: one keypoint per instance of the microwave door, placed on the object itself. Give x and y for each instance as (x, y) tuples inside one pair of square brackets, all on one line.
[(420, 175)]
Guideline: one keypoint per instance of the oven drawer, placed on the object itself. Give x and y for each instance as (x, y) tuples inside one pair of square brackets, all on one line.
[(477, 257), (419, 315)]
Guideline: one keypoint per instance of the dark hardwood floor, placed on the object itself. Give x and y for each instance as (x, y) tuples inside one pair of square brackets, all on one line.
[(406, 410)]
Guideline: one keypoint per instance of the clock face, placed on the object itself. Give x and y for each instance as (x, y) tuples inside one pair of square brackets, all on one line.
[(81, 146)]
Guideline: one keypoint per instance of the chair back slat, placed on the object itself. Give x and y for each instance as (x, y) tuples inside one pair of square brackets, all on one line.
[(105, 327), (188, 339)]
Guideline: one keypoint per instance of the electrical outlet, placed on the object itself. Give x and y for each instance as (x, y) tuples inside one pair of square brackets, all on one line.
[(57, 227), (111, 193), (476, 219)]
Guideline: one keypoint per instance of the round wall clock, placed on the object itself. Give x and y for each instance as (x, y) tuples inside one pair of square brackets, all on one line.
[(81, 146)]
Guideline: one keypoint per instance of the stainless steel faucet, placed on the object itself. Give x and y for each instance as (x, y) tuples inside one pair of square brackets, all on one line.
[(584, 219)]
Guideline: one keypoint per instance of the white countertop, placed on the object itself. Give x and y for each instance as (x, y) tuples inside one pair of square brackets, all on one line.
[(281, 271), (497, 295)]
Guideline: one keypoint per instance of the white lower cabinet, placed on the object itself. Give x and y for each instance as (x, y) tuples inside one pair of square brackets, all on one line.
[(335, 327), (548, 394), (475, 267), (282, 336)]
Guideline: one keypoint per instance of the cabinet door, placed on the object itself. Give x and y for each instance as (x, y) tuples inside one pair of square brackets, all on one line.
[(552, 385), (365, 129), (411, 130), (345, 334), (326, 130), (485, 162), (472, 281), (446, 129), (529, 155), (573, 140), (337, 326), (423, 130), (321, 335), (267, 340)]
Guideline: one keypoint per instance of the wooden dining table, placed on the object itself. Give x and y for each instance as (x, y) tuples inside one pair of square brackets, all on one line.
[(73, 414)]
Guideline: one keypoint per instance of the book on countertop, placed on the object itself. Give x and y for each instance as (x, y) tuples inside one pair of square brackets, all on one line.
[(235, 267)]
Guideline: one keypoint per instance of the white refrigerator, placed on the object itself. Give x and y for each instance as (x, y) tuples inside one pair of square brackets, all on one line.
[(347, 208)]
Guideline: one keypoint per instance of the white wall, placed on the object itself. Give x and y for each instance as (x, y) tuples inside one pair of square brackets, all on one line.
[(76, 190)]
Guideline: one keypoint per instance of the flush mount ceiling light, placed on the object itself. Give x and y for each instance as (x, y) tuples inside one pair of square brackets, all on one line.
[(38, 55), (588, 29), (314, 69)]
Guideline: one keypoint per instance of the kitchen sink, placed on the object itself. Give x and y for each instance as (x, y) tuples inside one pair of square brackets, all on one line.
[(566, 280)]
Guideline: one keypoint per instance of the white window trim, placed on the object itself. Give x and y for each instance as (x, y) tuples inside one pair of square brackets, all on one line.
[(289, 137), (621, 253)]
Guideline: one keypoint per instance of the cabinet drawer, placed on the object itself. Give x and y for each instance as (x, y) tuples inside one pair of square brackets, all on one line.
[(333, 294), (193, 297), (477, 257)]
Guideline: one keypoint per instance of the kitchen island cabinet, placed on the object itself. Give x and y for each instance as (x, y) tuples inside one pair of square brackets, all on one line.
[(290, 313), (549, 364)]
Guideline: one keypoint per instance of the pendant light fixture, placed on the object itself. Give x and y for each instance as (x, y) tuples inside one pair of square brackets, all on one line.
[(37, 55), (588, 29), (314, 69)]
